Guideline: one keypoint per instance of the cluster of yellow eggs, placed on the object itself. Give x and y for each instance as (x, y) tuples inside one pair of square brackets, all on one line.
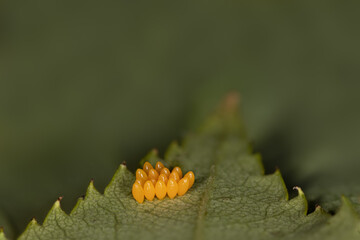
[(160, 181)]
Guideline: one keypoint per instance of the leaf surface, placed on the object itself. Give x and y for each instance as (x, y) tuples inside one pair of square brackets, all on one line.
[(231, 198)]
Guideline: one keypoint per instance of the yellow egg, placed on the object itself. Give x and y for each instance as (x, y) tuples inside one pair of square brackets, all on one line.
[(139, 181), (141, 174), (191, 176), (174, 175), (165, 171), (159, 166), (163, 178), (147, 166), (178, 170), (154, 181), (138, 192), (153, 174), (172, 188), (160, 189), (183, 185), (149, 190)]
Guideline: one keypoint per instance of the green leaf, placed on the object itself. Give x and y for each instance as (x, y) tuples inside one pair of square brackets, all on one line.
[(345, 225), (231, 198), (5, 224), (2, 235), (100, 108)]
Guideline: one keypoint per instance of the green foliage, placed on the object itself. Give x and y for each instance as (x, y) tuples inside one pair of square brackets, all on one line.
[(2, 235), (231, 198), (89, 84), (4, 224)]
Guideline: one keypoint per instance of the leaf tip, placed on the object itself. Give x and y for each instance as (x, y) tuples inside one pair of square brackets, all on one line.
[(91, 189), (2, 234), (91, 183), (318, 208), (57, 202), (231, 102), (79, 200), (348, 209), (155, 151), (151, 157), (173, 152), (278, 174), (299, 190), (346, 204), (302, 196), (33, 221), (321, 211), (345, 200)]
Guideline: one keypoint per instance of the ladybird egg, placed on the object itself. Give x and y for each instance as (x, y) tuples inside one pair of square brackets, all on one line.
[(159, 166), (147, 166), (149, 190), (178, 170), (183, 186), (175, 176), (160, 189), (190, 175), (141, 174), (172, 188), (163, 178), (165, 171), (138, 192), (153, 181), (153, 174), (139, 181)]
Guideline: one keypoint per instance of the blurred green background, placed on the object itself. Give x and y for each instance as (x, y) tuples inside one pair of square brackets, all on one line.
[(87, 85)]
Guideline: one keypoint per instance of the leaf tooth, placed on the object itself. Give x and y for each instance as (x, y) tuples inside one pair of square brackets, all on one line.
[(33, 223), (30, 229), (123, 163), (226, 121), (153, 153), (79, 201), (345, 224), (231, 102), (347, 217), (172, 151), (347, 208), (278, 173), (122, 179), (320, 210), (91, 190), (152, 157), (122, 170), (174, 154), (2, 234), (301, 195), (57, 203), (300, 191), (56, 208)]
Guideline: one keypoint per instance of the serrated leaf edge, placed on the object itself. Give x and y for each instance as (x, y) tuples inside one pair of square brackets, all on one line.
[(122, 169)]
